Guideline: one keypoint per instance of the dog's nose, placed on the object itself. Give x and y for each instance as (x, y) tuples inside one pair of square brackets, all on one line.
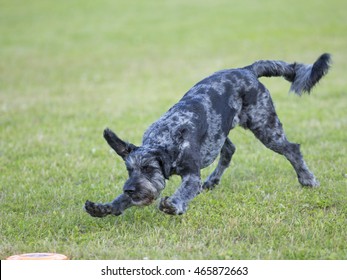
[(129, 190)]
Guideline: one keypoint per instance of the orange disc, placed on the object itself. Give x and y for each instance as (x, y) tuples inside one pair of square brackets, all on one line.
[(38, 256)]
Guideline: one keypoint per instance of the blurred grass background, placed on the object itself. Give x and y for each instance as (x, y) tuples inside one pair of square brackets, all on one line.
[(70, 68)]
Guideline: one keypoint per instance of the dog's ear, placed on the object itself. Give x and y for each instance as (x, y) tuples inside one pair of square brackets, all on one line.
[(121, 148), (165, 164)]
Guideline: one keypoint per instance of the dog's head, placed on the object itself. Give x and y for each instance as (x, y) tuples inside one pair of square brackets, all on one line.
[(147, 167)]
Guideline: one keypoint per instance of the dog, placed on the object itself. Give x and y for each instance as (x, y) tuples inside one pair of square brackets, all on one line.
[(191, 135)]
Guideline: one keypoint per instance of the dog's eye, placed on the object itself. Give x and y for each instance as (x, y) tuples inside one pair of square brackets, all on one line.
[(147, 168)]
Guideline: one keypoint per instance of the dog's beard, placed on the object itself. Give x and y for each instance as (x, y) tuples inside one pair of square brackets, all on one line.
[(148, 191)]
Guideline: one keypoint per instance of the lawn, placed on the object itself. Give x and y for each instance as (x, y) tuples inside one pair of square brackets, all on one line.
[(68, 69)]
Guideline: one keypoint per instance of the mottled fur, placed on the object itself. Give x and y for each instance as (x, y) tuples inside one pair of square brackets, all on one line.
[(192, 134)]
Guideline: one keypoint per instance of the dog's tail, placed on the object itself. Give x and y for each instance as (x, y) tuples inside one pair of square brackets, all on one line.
[(303, 77)]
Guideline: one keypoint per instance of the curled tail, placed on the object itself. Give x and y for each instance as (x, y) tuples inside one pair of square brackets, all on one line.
[(303, 77)]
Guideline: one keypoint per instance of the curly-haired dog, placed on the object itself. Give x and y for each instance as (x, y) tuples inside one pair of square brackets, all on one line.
[(195, 131)]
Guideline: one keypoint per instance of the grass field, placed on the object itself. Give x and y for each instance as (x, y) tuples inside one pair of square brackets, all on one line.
[(68, 69)]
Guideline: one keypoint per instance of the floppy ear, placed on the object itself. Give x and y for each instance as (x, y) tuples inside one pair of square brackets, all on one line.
[(165, 164), (121, 148)]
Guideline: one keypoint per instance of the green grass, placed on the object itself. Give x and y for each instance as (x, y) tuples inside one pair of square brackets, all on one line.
[(70, 68)]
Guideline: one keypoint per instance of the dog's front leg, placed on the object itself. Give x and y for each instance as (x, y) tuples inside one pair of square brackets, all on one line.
[(116, 207), (177, 204)]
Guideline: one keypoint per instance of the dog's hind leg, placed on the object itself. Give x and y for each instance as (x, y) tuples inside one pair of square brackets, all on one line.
[(226, 154), (266, 126)]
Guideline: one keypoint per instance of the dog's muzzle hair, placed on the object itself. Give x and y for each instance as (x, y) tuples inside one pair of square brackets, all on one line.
[(194, 132), (146, 179)]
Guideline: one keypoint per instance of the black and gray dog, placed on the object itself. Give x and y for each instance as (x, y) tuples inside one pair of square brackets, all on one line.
[(192, 134)]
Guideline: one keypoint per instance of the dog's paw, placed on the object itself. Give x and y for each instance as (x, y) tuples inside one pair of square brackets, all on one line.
[(309, 181), (168, 206), (97, 210), (210, 184)]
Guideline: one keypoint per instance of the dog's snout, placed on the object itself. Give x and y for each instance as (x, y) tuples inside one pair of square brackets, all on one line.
[(129, 190)]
